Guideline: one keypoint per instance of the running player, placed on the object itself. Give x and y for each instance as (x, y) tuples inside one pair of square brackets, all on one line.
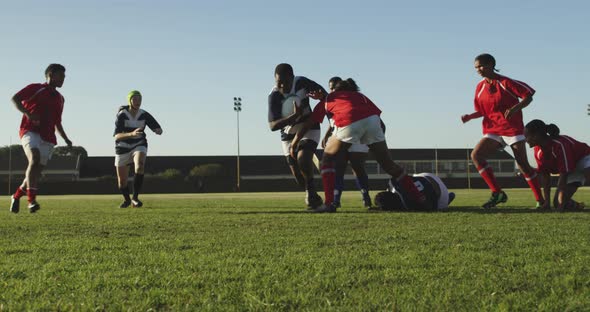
[(500, 100), (427, 183), (356, 120), (561, 154), (42, 106), (357, 155), (131, 145), (301, 162)]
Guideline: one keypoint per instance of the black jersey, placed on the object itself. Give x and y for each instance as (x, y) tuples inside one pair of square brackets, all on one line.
[(127, 123), (423, 185), (301, 87)]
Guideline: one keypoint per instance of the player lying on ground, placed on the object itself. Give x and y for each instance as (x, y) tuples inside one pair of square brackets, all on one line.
[(131, 145), (560, 154), (500, 100), (42, 106), (431, 186), (290, 89), (356, 121), (357, 155)]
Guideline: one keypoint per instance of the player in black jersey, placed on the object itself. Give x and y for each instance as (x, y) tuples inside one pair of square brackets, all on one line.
[(131, 145), (436, 192), (281, 116)]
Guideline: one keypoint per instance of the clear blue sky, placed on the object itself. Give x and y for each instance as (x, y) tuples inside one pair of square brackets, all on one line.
[(190, 58)]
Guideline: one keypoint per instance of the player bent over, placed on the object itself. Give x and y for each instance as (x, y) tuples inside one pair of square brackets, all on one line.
[(42, 106), (561, 154), (356, 121), (131, 145), (431, 186), (281, 116), (357, 155)]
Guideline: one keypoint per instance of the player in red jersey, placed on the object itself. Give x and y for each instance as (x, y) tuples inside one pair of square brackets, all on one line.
[(357, 155), (42, 106), (559, 154), (500, 100), (356, 120)]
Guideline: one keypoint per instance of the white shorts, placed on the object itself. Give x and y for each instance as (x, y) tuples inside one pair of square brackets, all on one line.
[(359, 148), (578, 175), (443, 199), (365, 131), (505, 140), (313, 135), (31, 140), (127, 158)]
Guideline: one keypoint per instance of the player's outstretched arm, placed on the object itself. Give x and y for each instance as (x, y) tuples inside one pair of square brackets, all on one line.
[(467, 117), (546, 184), (62, 133)]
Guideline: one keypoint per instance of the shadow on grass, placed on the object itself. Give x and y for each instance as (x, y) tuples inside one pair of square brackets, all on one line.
[(472, 209)]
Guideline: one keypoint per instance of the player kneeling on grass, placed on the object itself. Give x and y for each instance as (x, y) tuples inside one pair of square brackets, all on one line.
[(431, 186), (560, 154), (356, 121), (131, 145)]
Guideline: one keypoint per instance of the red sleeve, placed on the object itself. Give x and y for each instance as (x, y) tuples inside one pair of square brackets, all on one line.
[(541, 166), (476, 97), (319, 112), (518, 88), (28, 92), (564, 157)]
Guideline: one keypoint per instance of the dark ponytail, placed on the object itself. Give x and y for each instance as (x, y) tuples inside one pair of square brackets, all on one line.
[(539, 128), (347, 85), (552, 130)]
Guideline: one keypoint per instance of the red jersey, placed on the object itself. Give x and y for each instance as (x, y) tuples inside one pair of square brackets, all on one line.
[(545, 163), (493, 99), (344, 108), (46, 102), (563, 153)]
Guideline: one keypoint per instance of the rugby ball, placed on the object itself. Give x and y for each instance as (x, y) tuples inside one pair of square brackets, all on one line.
[(288, 104)]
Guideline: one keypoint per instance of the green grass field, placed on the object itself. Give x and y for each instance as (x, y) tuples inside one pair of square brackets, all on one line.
[(261, 251)]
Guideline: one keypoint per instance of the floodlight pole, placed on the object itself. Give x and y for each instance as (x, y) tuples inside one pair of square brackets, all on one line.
[(238, 109)]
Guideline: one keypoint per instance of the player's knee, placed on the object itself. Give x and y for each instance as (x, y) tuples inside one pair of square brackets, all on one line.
[(122, 182)]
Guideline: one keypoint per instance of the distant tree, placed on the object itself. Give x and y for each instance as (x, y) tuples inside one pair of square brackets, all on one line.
[(169, 174), (73, 151), (206, 170), (15, 149)]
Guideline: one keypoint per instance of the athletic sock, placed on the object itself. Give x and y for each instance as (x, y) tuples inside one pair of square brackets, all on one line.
[(125, 192), (137, 183), (32, 194), (309, 186), (533, 182), (488, 176), (362, 182), (328, 178), (20, 192), (338, 187)]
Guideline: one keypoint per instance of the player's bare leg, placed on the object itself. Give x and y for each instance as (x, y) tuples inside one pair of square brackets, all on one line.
[(122, 176), (32, 175), (479, 155), (333, 147), (530, 175), (357, 163)]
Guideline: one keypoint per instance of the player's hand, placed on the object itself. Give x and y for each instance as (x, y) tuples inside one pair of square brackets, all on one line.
[(324, 141), (158, 131), (68, 143), (465, 118), (509, 112), (317, 95), (137, 132)]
